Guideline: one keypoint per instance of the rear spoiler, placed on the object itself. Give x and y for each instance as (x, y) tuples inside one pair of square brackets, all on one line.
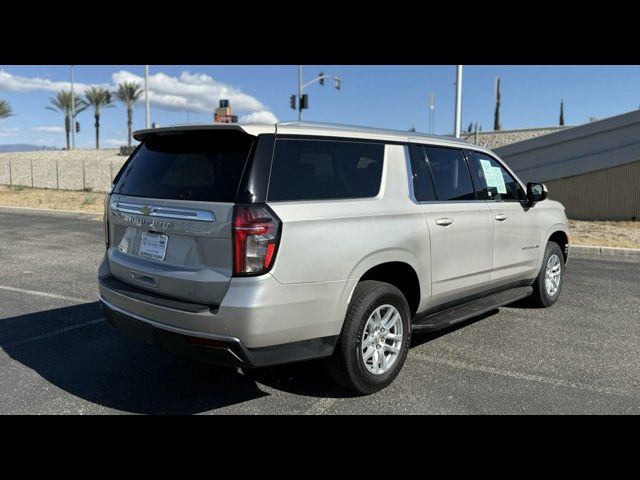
[(253, 130)]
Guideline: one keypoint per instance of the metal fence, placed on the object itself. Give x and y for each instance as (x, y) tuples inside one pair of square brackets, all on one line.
[(608, 194)]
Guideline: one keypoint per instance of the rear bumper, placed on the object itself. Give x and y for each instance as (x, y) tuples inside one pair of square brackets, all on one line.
[(213, 348), (259, 311)]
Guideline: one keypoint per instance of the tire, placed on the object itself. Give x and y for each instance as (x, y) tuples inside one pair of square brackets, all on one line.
[(347, 365), (541, 297)]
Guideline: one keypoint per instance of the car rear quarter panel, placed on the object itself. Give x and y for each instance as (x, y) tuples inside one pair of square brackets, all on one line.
[(339, 240)]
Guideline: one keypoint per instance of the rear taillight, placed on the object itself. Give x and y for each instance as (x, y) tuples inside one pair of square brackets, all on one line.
[(256, 231)]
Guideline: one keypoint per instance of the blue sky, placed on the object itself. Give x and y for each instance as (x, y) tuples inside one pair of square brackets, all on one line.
[(381, 96)]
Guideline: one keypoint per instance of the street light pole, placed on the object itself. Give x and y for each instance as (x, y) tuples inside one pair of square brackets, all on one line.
[(301, 86), (299, 92), (458, 101), (73, 114), (146, 95)]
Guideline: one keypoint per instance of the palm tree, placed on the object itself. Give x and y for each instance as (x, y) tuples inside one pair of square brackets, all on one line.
[(496, 114), (98, 97), (62, 103), (5, 109), (129, 93)]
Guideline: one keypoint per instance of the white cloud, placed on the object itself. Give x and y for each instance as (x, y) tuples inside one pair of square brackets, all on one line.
[(45, 142), (9, 132), (16, 83), (48, 129), (104, 143), (262, 116), (114, 142), (196, 92)]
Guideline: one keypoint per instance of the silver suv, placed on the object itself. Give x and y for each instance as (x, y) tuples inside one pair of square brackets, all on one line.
[(256, 245)]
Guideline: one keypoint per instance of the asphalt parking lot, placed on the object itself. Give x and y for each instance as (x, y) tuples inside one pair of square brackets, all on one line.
[(59, 355)]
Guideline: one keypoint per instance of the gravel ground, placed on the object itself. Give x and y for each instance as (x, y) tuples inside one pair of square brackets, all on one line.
[(605, 234), (52, 199)]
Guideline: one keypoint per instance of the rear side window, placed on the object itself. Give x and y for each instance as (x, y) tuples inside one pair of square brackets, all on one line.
[(450, 174), (202, 166), (325, 169)]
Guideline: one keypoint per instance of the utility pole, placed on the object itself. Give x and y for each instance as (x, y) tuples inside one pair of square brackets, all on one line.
[(432, 113), (146, 96), (456, 128), (73, 114), (299, 93)]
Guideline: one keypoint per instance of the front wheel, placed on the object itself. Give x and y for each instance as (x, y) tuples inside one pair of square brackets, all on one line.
[(548, 285), (375, 338)]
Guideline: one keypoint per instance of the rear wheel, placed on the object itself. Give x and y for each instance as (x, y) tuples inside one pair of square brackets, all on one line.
[(375, 338), (548, 285)]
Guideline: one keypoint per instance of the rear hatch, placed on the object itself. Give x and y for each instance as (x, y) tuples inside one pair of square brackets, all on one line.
[(170, 213)]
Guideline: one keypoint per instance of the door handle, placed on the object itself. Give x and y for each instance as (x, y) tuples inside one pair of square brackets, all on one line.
[(501, 217), (444, 221)]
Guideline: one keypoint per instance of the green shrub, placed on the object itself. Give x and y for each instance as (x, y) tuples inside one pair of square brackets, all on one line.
[(126, 151)]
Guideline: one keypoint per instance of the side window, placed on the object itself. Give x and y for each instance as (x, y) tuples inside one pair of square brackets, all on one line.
[(422, 180), (450, 174), (325, 169), (495, 182)]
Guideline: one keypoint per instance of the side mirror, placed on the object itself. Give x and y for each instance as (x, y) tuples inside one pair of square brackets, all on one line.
[(536, 192)]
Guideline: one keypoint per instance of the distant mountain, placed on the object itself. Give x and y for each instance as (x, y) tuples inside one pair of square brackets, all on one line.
[(23, 147)]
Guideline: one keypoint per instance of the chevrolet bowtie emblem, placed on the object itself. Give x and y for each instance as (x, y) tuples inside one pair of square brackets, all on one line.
[(146, 210)]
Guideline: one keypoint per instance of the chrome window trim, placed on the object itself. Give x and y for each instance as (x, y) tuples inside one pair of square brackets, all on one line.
[(164, 212)]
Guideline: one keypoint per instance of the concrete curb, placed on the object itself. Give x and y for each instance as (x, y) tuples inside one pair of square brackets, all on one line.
[(605, 253), (51, 210)]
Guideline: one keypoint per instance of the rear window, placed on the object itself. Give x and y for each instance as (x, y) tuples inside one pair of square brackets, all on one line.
[(202, 166), (325, 169)]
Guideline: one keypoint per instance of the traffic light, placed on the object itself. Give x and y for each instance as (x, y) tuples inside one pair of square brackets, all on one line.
[(292, 102), (321, 81), (304, 102), (77, 126)]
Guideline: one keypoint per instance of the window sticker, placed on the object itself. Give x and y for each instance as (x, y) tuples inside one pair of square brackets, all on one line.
[(493, 176), (502, 188)]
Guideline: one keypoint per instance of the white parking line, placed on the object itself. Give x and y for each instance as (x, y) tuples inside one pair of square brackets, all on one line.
[(53, 334), (58, 297), (321, 406), (46, 294), (521, 376)]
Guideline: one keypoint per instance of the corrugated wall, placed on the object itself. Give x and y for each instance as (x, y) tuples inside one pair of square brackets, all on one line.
[(609, 194)]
